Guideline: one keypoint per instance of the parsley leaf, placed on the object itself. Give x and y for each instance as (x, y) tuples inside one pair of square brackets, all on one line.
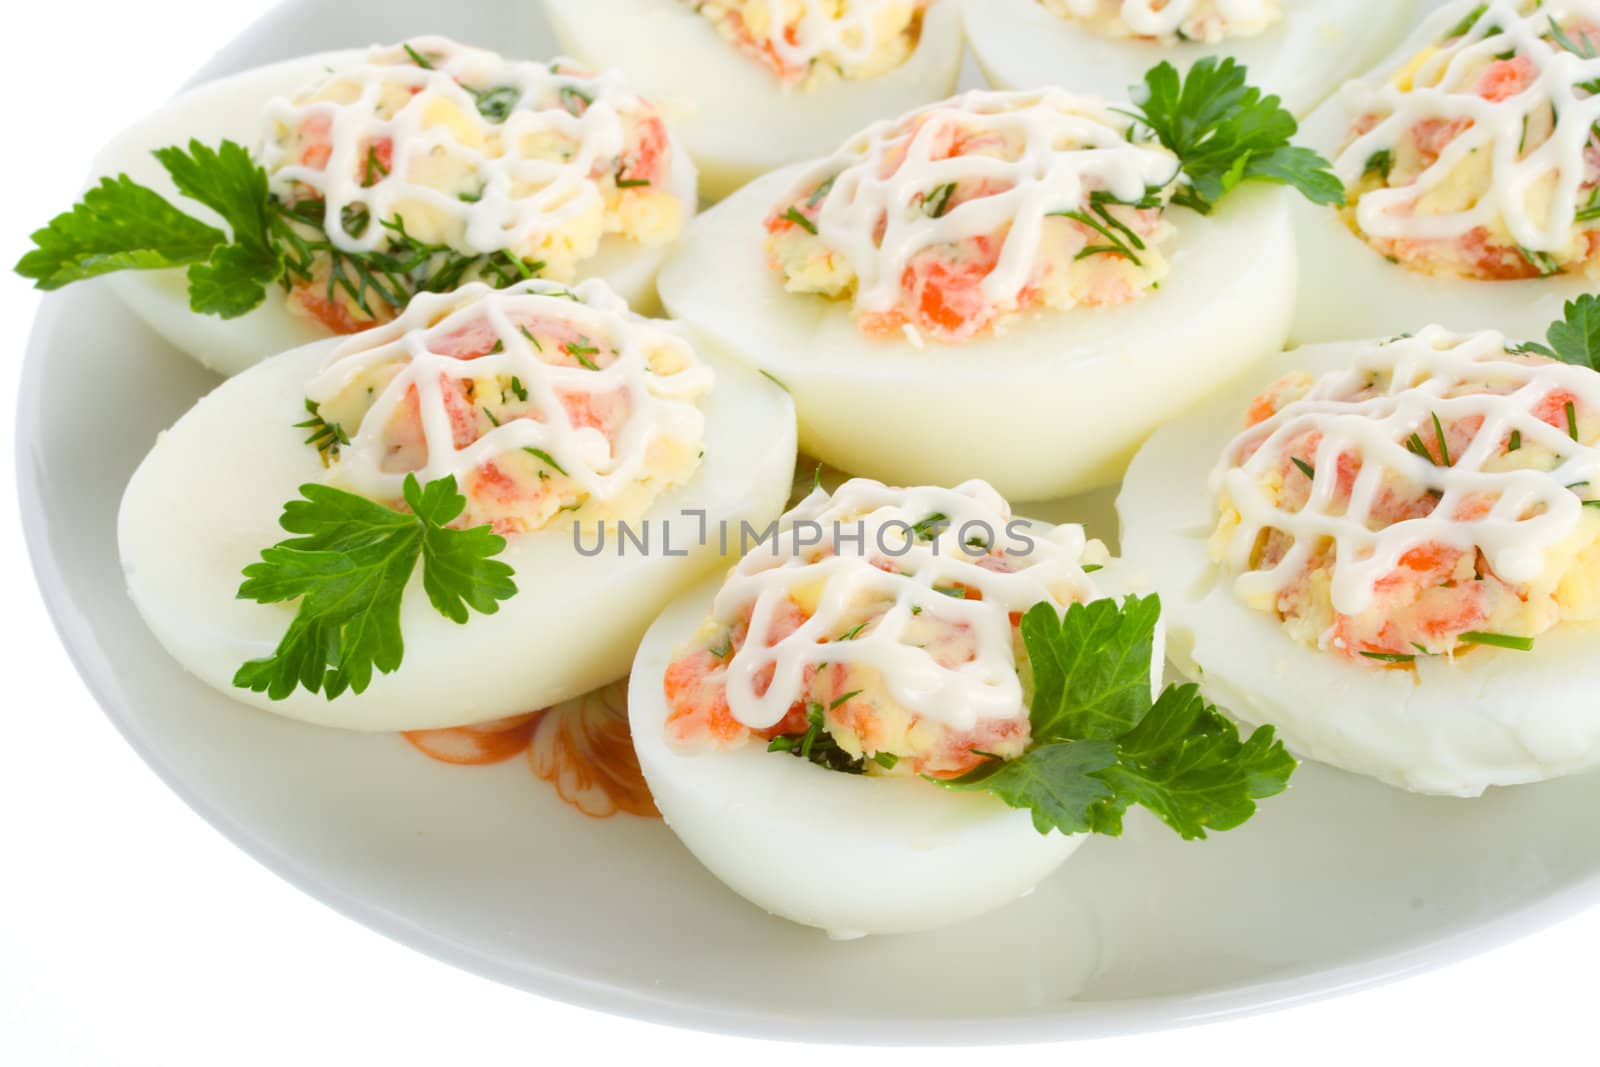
[(1100, 745), (229, 182), (1225, 132), (1058, 781), (122, 225), (118, 225), (349, 569), (1575, 338), (1186, 763), (1091, 667)]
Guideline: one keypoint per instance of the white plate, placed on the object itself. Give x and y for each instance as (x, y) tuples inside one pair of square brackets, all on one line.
[(1339, 884)]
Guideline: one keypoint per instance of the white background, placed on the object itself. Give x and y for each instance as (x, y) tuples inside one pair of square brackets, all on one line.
[(132, 933)]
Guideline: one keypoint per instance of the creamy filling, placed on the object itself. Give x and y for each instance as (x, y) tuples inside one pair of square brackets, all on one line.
[(1480, 158), (432, 163), (1439, 494), (538, 399), (807, 42), (1172, 21), (889, 618), (947, 220)]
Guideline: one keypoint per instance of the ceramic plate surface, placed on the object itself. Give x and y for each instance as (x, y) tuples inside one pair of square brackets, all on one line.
[(1339, 884)]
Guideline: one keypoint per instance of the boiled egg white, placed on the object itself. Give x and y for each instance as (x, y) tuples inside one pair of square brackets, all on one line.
[(1453, 727), (206, 501), (1048, 404), (1304, 56), (737, 118), (903, 854), (233, 108)]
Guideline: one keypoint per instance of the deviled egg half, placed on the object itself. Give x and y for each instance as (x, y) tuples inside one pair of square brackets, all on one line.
[(753, 85), (1300, 50), (1002, 285), (551, 457), (371, 176), (1390, 550), (939, 697), (1472, 167)]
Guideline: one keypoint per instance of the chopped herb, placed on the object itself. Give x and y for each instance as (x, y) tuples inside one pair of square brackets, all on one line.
[(958, 592), (930, 527), (886, 760), (1518, 644), (842, 701), (518, 389), (1305, 468), (1390, 657), (532, 340), (326, 436), (581, 350), (1516, 441), (852, 633), (576, 101), (794, 216), (1572, 420), (936, 203), (492, 419), (544, 457), (820, 192), (372, 166), (625, 182), (1381, 163), (1438, 435), (417, 57), (1090, 568), (496, 104)]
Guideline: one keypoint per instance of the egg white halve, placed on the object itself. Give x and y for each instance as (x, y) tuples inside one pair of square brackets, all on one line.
[(206, 501), (1495, 717), (1051, 403), (232, 108), (903, 854), (1348, 289), (1314, 48), (737, 120)]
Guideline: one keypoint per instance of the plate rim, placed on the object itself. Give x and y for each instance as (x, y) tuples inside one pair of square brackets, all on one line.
[(1074, 1020)]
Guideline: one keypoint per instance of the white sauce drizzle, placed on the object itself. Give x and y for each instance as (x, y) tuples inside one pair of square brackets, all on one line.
[(504, 217), (660, 405), (986, 688), (1497, 127), (1152, 18), (1070, 147), (1532, 511)]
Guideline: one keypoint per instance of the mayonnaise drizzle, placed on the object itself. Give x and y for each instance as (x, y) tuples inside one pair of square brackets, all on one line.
[(986, 688), (1533, 510), (659, 405), (1152, 18), (523, 199), (1069, 147), (1445, 90)]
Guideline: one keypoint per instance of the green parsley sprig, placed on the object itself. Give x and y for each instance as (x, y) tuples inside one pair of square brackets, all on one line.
[(1100, 744), (349, 567), (1575, 337), (1224, 132), (122, 225)]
